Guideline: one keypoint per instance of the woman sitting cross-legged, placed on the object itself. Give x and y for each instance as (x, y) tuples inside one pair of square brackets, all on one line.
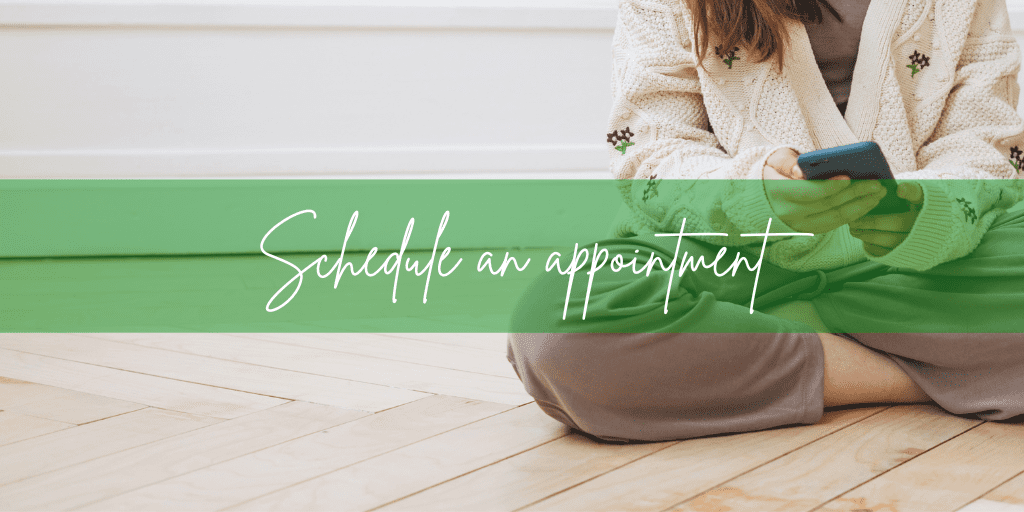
[(730, 92)]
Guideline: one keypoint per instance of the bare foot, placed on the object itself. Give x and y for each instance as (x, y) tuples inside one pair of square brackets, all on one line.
[(855, 374)]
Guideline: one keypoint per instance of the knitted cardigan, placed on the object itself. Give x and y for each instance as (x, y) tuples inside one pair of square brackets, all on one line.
[(934, 85)]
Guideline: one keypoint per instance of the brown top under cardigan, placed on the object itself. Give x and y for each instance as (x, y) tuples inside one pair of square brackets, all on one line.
[(835, 44)]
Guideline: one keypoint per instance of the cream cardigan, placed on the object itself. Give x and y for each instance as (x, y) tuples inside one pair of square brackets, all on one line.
[(934, 85)]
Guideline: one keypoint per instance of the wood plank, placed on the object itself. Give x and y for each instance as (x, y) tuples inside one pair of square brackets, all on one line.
[(220, 373), (101, 478), (828, 467), (275, 468), (360, 368), (133, 387), (407, 470), (16, 392), (429, 353), (947, 477), (16, 427), (690, 467), (476, 323), (528, 477), (992, 506), (63, 405), (494, 342), (65, 448), (1011, 492), (367, 344)]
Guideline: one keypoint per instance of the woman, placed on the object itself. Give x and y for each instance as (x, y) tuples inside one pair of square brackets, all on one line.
[(735, 90)]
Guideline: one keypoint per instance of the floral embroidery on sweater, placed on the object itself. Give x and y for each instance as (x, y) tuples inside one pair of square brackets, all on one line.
[(620, 140), (952, 138), (918, 61), (969, 213), (1017, 158), (727, 57), (652, 188)]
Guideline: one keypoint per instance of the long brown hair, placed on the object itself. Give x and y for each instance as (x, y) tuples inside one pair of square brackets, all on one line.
[(756, 25)]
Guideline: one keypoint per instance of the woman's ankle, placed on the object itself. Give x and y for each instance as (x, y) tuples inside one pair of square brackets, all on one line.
[(855, 374)]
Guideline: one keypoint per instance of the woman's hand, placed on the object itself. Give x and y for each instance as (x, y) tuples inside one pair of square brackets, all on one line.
[(882, 233), (815, 206)]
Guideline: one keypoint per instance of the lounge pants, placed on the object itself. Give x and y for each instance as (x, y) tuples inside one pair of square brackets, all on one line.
[(630, 372)]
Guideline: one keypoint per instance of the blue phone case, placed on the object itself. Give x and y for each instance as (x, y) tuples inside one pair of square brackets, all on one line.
[(859, 161)]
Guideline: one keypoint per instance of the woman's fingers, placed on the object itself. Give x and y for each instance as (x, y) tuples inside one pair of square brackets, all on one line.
[(809, 191), (883, 233), (855, 208), (884, 239), (771, 173), (896, 223), (833, 192), (827, 221), (875, 250), (796, 172), (852, 193), (784, 160), (833, 211), (911, 191)]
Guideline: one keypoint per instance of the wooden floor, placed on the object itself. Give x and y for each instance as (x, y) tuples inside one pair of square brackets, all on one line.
[(427, 422)]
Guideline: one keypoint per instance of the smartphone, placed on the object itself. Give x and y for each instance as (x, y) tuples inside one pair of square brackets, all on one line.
[(859, 161)]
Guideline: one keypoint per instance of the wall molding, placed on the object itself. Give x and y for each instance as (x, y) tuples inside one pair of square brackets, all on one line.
[(40, 221), (281, 14), (583, 160), (342, 14), (1015, 9)]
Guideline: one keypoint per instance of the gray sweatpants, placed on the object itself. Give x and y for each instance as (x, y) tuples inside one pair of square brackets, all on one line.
[(631, 372)]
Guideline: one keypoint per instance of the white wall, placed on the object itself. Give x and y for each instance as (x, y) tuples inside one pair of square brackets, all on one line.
[(235, 88), (273, 88)]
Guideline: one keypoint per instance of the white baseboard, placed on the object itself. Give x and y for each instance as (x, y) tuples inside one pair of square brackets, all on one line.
[(146, 217), (455, 162)]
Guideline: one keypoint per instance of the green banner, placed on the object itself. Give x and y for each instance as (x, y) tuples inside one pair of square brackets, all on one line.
[(485, 256)]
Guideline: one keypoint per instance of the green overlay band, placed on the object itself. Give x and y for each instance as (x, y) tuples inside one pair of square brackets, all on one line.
[(474, 256)]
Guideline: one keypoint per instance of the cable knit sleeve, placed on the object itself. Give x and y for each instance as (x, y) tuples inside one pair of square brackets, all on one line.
[(659, 130), (975, 146)]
